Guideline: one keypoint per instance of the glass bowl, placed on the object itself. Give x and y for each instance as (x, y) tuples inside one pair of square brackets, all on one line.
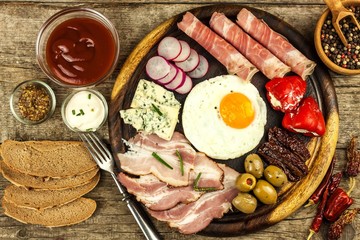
[(78, 47), (84, 110), (32, 102)]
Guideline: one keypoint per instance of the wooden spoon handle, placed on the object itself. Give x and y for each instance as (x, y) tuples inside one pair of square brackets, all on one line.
[(335, 7)]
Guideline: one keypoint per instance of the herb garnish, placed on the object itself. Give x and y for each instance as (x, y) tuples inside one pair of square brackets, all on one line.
[(202, 189), (89, 96), (157, 157), (181, 162), (156, 109), (73, 112)]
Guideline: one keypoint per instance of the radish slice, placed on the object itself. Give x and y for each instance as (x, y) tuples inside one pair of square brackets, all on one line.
[(185, 52), (190, 63), (169, 48), (177, 81), (157, 68), (168, 78), (201, 69), (186, 86)]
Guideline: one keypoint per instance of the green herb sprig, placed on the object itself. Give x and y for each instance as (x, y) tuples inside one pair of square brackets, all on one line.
[(202, 189), (181, 162), (157, 157)]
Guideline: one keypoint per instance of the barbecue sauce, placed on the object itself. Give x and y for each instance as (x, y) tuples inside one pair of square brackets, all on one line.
[(80, 51)]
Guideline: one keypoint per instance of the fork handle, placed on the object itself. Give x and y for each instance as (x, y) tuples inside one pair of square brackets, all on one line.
[(140, 216)]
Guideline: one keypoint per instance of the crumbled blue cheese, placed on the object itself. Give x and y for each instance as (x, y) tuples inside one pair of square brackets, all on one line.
[(142, 114)]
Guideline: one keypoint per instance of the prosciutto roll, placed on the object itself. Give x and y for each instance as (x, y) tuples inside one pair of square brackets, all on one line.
[(262, 58), (276, 43), (224, 52)]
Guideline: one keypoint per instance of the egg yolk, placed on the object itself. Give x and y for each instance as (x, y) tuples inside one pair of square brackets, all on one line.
[(236, 110)]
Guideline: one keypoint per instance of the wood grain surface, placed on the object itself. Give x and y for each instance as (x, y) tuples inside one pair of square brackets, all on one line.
[(19, 25)]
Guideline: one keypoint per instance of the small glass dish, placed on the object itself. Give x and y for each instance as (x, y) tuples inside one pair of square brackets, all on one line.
[(32, 102), (78, 47), (84, 110)]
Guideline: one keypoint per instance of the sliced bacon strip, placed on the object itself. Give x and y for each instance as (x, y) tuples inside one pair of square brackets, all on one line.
[(138, 160), (193, 217), (262, 58), (157, 195), (224, 52), (276, 43)]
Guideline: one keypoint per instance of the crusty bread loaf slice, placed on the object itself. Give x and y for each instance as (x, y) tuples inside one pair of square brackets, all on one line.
[(68, 214), (43, 199), (32, 182), (47, 158)]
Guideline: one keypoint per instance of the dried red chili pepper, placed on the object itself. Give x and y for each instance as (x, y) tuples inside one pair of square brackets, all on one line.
[(285, 94), (353, 164), (316, 223), (335, 182), (315, 197), (306, 119), (337, 227), (338, 202)]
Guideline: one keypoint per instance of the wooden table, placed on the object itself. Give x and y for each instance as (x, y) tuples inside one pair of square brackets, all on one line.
[(19, 25)]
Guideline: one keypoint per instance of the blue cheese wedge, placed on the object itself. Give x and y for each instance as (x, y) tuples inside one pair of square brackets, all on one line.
[(152, 110)]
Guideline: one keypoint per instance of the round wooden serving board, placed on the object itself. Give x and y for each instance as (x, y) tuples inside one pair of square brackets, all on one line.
[(319, 85)]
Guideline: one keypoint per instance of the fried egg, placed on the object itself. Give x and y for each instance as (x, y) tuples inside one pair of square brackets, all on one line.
[(224, 117)]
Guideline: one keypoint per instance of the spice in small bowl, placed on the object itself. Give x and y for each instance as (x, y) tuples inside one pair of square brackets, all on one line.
[(84, 111), (32, 102), (339, 58)]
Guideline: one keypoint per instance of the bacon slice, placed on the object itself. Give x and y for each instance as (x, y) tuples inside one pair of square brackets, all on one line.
[(193, 217), (262, 58), (276, 43), (157, 195), (224, 52), (138, 160)]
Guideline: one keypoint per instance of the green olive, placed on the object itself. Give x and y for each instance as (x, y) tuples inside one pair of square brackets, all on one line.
[(275, 176), (265, 192), (245, 203), (245, 182), (254, 165)]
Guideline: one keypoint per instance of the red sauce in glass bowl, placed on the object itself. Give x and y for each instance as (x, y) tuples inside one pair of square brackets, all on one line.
[(80, 51)]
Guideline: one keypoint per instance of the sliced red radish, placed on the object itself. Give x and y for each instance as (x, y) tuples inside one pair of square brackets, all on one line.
[(201, 69), (185, 52), (169, 48), (157, 68), (190, 63), (177, 81), (186, 86), (168, 78)]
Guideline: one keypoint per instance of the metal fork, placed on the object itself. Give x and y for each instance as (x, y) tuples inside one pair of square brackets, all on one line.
[(104, 159)]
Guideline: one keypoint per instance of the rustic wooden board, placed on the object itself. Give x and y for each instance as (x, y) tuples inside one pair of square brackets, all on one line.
[(319, 86)]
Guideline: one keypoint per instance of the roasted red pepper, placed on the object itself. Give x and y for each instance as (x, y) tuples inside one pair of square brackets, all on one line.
[(335, 182), (338, 202), (306, 119), (285, 94)]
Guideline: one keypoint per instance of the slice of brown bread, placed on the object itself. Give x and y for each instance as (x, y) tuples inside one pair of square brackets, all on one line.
[(68, 214), (47, 158), (32, 182), (43, 199)]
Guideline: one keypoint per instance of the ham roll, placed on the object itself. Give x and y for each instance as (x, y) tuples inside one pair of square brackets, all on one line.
[(276, 43), (262, 58), (224, 52)]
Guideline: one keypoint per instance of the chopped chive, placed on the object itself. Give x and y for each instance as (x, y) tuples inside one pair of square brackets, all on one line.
[(78, 114), (156, 109), (73, 112), (89, 96), (92, 110), (89, 129), (82, 112), (181, 162), (202, 189), (157, 157)]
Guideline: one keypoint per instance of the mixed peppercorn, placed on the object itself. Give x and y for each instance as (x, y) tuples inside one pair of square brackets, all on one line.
[(343, 56), (34, 103)]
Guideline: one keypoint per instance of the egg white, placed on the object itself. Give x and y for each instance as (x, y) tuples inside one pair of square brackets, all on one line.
[(204, 128)]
